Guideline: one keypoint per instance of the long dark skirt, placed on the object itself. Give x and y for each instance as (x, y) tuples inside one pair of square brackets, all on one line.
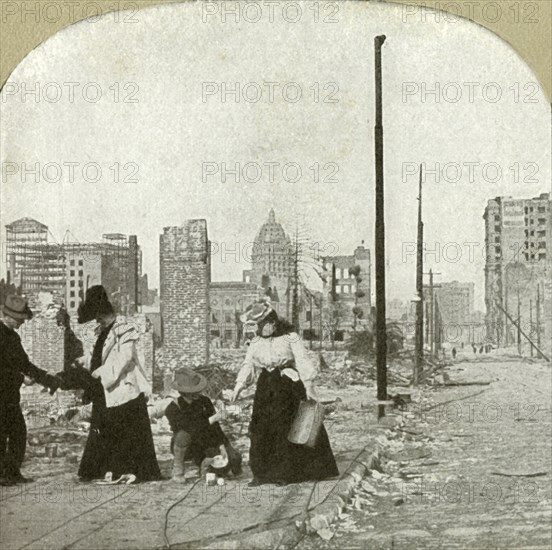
[(272, 457), (120, 441)]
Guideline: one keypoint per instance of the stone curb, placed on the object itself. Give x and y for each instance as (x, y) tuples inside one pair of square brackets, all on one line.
[(327, 512), (321, 516)]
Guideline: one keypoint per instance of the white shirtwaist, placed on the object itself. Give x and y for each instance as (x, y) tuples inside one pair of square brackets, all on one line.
[(277, 353)]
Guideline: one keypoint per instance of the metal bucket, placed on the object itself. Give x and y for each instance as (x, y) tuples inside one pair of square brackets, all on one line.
[(307, 423)]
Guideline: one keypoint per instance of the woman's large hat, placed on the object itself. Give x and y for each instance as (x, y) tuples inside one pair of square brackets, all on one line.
[(95, 303), (256, 312), (188, 381), (17, 307)]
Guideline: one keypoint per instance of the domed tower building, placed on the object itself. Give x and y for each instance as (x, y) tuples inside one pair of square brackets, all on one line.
[(272, 261)]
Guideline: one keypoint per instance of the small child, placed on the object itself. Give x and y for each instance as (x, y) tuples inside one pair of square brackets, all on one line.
[(197, 434)]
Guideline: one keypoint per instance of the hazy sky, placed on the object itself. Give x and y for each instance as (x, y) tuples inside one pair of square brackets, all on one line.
[(161, 115)]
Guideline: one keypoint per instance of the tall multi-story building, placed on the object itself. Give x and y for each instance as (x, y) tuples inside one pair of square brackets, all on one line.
[(271, 268), (21, 233), (518, 267), (115, 265), (68, 269), (454, 305), (83, 269), (455, 301), (32, 263), (272, 263)]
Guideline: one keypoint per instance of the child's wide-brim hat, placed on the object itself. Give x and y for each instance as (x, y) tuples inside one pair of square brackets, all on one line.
[(188, 381)]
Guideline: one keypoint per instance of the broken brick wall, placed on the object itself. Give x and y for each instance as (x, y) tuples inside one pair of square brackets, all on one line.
[(184, 281)]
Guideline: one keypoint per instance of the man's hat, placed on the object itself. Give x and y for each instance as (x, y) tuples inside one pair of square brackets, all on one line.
[(17, 307), (188, 381), (95, 303), (257, 311)]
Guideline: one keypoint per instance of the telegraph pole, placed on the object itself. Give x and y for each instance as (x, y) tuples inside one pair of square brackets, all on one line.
[(320, 323), (431, 335), (506, 327), (531, 323), (419, 352), (381, 332), (310, 321), (295, 295), (538, 319), (334, 283), (438, 329), (426, 319), (519, 321), (432, 312), (331, 310)]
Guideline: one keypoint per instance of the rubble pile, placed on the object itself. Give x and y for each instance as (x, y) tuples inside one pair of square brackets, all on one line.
[(41, 409), (219, 377), (339, 369), (221, 370), (57, 443), (232, 358)]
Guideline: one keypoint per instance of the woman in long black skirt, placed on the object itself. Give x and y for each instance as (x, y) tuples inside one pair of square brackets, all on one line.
[(286, 377), (120, 439)]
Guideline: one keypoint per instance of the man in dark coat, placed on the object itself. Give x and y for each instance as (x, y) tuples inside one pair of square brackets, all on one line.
[(14, 366)]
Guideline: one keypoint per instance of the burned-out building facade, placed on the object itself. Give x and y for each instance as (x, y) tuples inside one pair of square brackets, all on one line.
[(518, 268)]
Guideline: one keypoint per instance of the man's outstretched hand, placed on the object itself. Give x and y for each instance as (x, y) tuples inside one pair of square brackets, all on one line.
[(73, 378)]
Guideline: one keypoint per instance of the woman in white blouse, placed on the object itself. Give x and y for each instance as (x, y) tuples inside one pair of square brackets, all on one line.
[(286, 376)]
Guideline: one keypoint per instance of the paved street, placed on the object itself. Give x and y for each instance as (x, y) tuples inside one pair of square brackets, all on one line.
[(59, 512), (471, 467), (468, 466)]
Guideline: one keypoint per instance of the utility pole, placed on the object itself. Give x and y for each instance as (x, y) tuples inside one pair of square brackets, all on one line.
[(538, 319), (381, 332), (438, 329), (320, 322), (431, 335), (331, 310), (519, 322), (295, 290), (531, 322), (432, 311), (426, 320), (419, 352), (506, 327), (334, 283), (310, 321)]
